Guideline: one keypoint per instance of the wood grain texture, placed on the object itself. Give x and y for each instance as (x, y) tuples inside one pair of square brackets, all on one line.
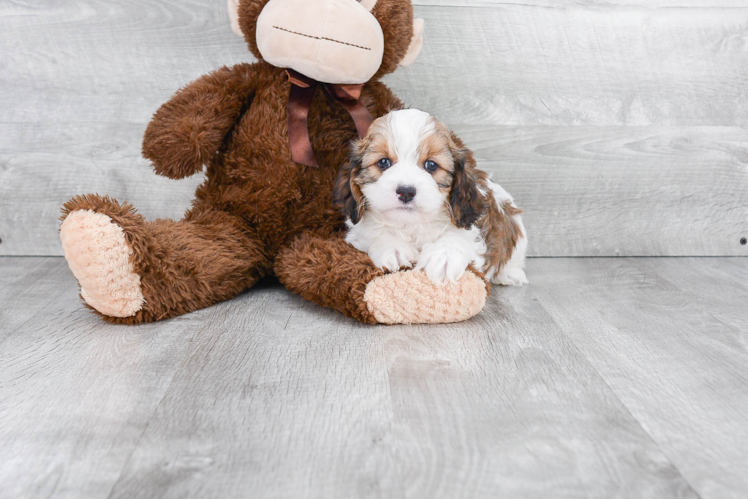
[(599, 65), (75, 393), (505, 406), (269, 395), (618, 191), (647, 97), (320, 406), (668, 337), (59, 164), (31, 282)]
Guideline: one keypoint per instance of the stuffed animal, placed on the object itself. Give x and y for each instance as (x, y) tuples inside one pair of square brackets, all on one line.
[(272, 136)]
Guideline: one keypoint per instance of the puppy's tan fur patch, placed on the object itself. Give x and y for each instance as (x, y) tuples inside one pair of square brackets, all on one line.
[(498, 227)]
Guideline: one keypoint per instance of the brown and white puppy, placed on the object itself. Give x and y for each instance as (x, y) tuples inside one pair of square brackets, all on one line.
[(412, 196)]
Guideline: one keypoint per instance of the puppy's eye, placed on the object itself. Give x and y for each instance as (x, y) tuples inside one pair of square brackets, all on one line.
[(430, 166), (384, 163)]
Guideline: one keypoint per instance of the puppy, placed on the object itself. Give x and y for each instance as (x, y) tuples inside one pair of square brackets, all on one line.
[(413, 196)]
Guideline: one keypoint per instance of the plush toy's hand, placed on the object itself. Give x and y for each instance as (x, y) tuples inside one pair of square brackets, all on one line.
[(186, 132), (409, 297)]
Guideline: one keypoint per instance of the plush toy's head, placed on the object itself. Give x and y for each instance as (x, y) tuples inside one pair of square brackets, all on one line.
[(332, 41)]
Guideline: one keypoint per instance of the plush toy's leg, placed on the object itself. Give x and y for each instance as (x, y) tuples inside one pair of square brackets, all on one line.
[(333, 274), (132, 271), (330, 272)]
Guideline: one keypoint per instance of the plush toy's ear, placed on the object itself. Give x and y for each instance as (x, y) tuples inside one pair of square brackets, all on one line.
[(234, 16), (416, 43)]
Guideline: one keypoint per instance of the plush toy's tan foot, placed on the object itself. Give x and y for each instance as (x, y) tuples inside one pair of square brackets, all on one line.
[(99, 257), (409, 297)]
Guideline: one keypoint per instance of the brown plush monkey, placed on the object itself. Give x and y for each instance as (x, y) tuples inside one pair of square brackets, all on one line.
[(259, 212)]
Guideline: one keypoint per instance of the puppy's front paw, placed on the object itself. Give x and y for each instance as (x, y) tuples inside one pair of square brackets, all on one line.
[(511, 276), (442, 263), (393, 257)]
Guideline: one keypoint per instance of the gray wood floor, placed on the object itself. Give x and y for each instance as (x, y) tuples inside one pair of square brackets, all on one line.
[(605, 377)]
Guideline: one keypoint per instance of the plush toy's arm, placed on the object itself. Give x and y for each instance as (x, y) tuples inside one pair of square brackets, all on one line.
[(186, 131)]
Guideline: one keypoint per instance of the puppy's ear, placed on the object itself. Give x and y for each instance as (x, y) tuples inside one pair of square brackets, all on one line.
[(467, 203), (347, 194)]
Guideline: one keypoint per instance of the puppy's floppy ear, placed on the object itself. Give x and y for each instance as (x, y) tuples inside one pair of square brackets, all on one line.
[(347, 194), (467, 203)]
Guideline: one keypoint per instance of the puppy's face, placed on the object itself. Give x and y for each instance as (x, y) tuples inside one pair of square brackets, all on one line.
[(409, 169)]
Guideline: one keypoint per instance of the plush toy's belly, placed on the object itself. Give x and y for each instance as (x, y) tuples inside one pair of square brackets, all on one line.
[(259, 182)]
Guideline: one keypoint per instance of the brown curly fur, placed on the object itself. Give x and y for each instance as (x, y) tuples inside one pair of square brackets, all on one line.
[(498, 227), (184, 265), (257, 213)]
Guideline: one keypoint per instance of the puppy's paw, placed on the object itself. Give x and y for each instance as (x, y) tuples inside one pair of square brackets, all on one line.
[(511, 276), (394, 257), (442, 263)]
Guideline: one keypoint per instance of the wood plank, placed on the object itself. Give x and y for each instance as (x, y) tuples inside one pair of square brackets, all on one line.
[(288, 400), (581, 65), (526, 64), (692, 276), (623, 191), (505, 406), (676, 366), (101, 158), (96, 48), (75, 392), (604, 377), (31, 283)]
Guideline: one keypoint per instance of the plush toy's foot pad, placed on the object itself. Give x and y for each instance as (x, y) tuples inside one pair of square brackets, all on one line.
[(408, 297), (99, 257)]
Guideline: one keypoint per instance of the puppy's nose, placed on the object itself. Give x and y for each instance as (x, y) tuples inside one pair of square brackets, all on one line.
[(405, 193)]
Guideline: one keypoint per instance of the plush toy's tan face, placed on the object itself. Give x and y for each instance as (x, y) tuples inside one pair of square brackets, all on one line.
[(313, 37), (333, 41)]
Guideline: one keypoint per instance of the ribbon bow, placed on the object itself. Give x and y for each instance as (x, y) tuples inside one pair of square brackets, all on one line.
[(299, 102)]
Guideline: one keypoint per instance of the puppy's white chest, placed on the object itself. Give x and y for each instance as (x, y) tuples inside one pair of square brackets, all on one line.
[(420, 234)]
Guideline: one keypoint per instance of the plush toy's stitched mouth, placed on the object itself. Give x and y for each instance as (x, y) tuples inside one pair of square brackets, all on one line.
[(321, 38)]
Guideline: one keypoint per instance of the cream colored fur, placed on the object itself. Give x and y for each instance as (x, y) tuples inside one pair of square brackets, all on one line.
[(391, 298), (299, 34), (234, 16), (416, 44), (99, 257)]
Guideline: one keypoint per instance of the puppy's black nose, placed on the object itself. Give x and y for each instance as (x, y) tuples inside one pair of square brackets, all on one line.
[(405, 193)]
